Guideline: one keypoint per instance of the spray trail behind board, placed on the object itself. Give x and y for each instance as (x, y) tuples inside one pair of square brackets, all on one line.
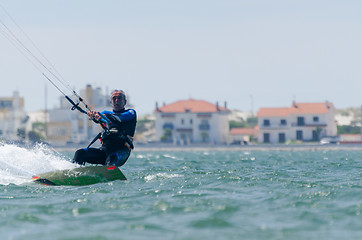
[(18, 165)]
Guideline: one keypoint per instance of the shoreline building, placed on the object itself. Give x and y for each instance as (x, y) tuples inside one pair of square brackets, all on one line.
[(192, 121), (242, 136), (299, 122), (13, 117), (66, 127)]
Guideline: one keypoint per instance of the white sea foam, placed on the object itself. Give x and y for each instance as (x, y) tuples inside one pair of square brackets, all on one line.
[(18, 165), (161, 176)]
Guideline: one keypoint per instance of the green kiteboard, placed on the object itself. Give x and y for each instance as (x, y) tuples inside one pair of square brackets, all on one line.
[(80, 176)]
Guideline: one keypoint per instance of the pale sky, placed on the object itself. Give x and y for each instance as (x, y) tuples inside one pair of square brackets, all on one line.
[(248, 53)]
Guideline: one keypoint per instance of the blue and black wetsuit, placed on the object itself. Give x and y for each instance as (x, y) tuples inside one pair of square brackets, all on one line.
[(116, 143)]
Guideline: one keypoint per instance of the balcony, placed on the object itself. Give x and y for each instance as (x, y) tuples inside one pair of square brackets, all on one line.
[(204, 127), (274, 126), (309, 125), (204, 115), (168, 125), (184, 129), (168, 115)]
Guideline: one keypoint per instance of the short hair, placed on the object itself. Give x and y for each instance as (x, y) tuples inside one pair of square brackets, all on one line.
[(118, 91)]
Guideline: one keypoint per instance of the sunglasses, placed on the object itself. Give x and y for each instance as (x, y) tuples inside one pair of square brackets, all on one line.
[(118, 97)]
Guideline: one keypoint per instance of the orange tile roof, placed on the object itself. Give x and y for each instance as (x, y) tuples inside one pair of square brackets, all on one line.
[(268, 112), (350, 135), (297, 108), (307, 108), (191, 105)]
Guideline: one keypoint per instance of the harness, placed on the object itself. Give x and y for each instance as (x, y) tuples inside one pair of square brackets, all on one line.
[(117, 136), (114, 134)]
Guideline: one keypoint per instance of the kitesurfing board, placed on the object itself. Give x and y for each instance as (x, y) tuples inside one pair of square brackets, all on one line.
[(80, 176)]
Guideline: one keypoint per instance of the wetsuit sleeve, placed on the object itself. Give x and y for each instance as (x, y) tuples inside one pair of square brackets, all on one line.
[(127, 115)]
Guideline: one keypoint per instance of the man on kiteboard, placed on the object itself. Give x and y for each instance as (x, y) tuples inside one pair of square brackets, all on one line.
[(116, 138)]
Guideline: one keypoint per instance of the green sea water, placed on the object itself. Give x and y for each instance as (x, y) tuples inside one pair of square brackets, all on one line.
[(204, 194)]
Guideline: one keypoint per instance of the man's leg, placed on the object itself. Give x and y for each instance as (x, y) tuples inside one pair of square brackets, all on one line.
[(89, 155), (118, 158)]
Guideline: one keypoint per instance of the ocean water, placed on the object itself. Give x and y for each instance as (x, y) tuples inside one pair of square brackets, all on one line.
[(203, 194)]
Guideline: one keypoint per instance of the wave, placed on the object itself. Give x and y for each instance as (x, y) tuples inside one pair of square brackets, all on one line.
[(161, 176), (18, 165)]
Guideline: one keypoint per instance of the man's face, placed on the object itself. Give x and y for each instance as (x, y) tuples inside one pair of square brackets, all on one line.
[(118, 101)]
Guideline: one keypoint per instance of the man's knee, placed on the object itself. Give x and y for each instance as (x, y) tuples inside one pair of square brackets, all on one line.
[(118, 158), (79, 156)]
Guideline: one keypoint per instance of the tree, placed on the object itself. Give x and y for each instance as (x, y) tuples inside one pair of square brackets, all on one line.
[(345, 129), (249, 123), (237, 124), (204, 137), (144, 125), (252, 121), (21, 133), (40, 126), (35, 137), (167, 135), (319, 132)]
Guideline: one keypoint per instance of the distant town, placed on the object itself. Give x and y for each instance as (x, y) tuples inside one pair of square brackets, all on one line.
[(184, 122)]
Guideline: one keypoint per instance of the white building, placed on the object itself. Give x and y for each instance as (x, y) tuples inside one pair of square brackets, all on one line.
[(12, 116), (72, 127), (240, 136), (192, 121), (37, 122), (300, 121)]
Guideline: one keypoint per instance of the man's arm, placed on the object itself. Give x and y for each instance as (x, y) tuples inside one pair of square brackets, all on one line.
[(128, 115)]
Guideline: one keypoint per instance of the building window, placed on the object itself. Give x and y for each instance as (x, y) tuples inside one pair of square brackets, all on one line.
[(283, 122), (182, 121), (168, 125), (204, 121), (300, 121), (204, 125), (6, 104), (281, 137), (315, 119), (266, 122), (266, 137), (299, 135), (191, 121)]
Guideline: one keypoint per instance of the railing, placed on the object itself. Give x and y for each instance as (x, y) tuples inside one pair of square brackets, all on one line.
[(274, 126), (284, 126), (309, 125), (168, 125), (204, 127)]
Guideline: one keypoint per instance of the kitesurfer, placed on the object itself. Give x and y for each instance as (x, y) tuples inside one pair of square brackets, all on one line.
[(116, 139)]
